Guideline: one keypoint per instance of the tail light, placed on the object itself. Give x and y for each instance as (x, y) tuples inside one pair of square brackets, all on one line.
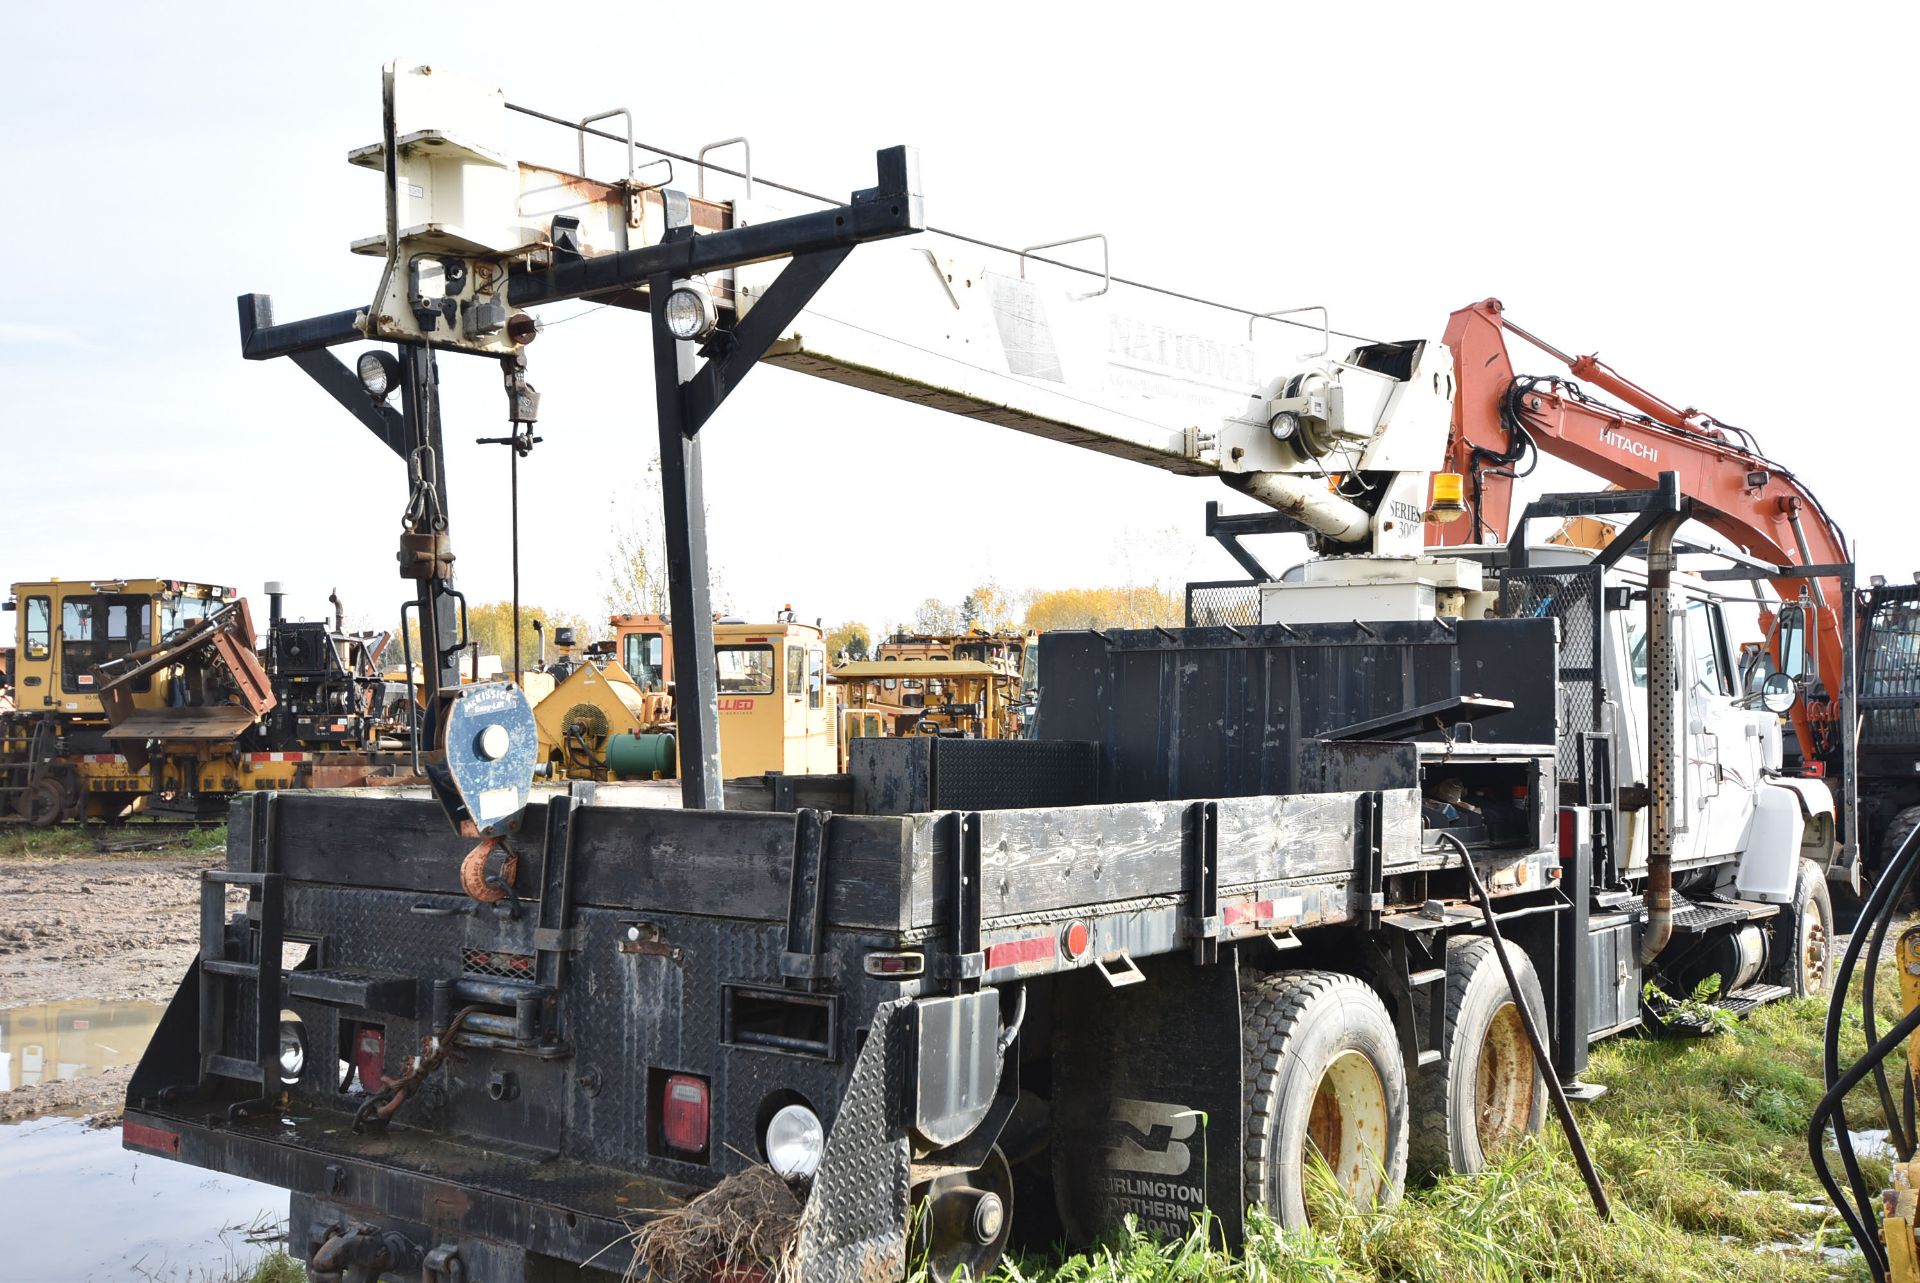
[(1567, 839), (685, 1114), (370, 1058)]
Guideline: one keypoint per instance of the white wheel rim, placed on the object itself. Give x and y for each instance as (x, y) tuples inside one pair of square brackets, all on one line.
[(1503, 1081), (1347, 1124)]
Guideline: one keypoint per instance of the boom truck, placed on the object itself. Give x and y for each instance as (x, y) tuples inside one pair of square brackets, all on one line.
[(1250, 892)]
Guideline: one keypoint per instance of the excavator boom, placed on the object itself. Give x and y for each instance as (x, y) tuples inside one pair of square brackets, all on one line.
[(1739, 494)]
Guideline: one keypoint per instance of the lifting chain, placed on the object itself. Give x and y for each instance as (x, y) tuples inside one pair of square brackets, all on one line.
[(426, 550), (394, 1092), (423, 499)]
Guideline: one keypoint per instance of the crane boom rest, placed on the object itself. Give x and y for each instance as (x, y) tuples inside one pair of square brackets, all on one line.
[(1738, 493)]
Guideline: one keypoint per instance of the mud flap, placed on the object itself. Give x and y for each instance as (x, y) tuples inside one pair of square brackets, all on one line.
[(854, 1227), (1147, 1101)]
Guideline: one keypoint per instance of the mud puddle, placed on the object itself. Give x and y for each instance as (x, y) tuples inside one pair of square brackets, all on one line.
[(101, 1214), (71, 1057), (55, 1041)]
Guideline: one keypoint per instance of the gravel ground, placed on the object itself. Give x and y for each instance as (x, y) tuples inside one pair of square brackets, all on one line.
[(102, 927)]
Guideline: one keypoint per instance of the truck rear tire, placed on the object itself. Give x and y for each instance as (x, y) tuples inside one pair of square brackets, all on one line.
[(1804, 936), (1485, 1092), (1323, 1073), (1899, 828)]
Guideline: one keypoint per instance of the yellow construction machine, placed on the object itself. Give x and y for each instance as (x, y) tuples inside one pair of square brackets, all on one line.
[(150, 693), (610, 715)]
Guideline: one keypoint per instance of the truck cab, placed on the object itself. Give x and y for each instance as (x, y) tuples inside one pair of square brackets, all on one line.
[(67, 628)]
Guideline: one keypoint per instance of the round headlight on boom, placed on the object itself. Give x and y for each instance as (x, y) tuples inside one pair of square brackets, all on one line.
[(1283, 425), (690, 312), (379, 373)]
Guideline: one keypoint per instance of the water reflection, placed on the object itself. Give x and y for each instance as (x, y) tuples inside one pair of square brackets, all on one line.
[(102, 1214), (61, 1040)]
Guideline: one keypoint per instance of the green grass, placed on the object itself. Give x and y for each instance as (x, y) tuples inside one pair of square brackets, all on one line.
[(275, 1267), (25, 842), (1700, 1145)]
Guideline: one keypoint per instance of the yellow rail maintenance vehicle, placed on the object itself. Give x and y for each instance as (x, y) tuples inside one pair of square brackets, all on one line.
[(956, 698), (151, 694), (777, 711), (61, 755), (595, 700)]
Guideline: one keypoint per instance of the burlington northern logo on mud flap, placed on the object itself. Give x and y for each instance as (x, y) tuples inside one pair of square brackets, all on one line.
[(1150, 1136), (1146, 1168)]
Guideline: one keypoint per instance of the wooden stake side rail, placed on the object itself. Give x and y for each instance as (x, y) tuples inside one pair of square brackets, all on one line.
[(884, 873)]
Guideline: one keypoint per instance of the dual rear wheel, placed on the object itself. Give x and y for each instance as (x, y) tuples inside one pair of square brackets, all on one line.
[(1327, 1083)]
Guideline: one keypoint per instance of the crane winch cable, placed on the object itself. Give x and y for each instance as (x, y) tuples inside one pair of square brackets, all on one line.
[(938, 231)]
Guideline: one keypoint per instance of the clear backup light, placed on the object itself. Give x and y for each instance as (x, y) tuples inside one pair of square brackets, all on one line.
[(690, 313), (293, 1049), (795, 1142)]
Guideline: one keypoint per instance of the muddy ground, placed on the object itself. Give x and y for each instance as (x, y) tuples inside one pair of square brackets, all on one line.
[(96, 926)]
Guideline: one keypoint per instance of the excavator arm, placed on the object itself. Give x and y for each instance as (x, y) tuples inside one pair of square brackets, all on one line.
[(1499, 416)]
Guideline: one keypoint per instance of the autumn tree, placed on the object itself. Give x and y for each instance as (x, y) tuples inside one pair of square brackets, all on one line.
[(850, 638), (1135, 606), (988, 606), (491, 625), (935, 616), (634, 579)]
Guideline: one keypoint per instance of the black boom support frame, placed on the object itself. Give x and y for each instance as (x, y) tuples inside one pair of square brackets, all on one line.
[(690, 381)]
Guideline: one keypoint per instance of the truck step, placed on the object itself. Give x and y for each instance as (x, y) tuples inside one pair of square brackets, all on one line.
[(1745, 1000), (388, 991), (246, 1071), (1692, 917)]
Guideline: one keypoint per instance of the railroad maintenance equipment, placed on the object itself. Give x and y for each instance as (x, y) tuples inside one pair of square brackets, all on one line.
[(608, 721), (1310, 880), (149, 693)]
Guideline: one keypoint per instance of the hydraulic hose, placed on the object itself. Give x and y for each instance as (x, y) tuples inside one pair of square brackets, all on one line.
[(1831, 1109), (1899, 1132), (1542, 1057), (1858, 1212)]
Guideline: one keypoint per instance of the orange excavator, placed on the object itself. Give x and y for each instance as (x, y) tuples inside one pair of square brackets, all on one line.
[(1500, 417)]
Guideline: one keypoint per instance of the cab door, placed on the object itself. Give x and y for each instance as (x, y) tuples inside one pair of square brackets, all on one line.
[(819, 713), (33, 689), (1724, 744)]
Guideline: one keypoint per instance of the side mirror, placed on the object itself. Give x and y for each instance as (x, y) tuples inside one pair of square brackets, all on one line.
[(1777, 693)]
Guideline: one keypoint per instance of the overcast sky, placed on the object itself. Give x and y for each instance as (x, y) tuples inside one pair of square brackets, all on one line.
[(1715, 197)]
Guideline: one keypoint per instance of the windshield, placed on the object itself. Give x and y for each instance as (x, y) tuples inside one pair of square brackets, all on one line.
[(176, 612), (744, 670), (642, 658)]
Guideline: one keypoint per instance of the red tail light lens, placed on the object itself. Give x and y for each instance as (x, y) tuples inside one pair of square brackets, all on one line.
[(1566, 833), (685, 1114), (369, 1058)]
